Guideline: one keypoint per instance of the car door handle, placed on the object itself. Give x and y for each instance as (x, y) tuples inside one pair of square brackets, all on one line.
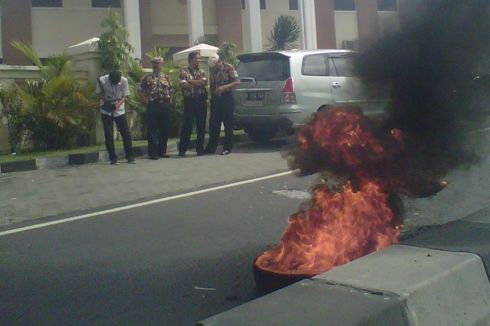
[(336, 85)]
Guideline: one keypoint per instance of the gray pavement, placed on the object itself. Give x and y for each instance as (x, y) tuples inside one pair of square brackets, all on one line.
[(29, 195), (26, 196)]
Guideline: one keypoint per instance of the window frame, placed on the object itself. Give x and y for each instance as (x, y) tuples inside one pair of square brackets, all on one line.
[(296, 2), (263, 5), (336, 5), (48, 4), (106, 6), (391, 9)]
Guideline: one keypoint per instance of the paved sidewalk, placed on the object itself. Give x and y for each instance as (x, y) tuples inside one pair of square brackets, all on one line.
[(50, 192)]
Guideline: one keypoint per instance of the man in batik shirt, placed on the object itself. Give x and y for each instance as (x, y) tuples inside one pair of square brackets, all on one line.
[(223, 79), (193, 83), (156, 92)]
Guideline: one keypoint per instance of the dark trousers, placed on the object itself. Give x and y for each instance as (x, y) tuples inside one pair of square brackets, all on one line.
[(194, 108), (222, 108), (122, 126), (158, 115)]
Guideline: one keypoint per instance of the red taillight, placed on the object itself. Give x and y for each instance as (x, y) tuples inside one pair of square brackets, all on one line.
[(288, 95)]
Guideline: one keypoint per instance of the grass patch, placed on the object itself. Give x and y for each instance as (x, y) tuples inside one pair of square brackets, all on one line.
[(79, 150), (5, 158)]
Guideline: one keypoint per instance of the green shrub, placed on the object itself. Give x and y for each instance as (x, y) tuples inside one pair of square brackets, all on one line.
[(57, 111), (11, 111)]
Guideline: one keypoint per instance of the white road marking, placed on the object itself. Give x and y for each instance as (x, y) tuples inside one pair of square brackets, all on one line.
[(146, 203)]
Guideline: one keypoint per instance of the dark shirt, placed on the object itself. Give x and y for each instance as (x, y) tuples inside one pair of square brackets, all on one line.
[(224, 76), (188, 74), (157, 87)]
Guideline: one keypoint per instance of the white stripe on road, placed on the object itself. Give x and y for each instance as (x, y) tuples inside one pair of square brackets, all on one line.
[(146, 203)]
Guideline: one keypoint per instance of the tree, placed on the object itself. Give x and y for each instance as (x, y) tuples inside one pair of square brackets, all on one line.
[(227, 53), (12, 112), (284, 34), (115, 49)]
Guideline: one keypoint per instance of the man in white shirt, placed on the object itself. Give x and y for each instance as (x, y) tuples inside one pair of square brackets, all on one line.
[(113, 90)]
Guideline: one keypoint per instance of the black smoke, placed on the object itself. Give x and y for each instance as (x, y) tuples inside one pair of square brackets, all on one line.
[(437, 67)]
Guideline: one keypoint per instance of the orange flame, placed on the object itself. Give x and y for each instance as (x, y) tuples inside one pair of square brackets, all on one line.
[(340, 226)]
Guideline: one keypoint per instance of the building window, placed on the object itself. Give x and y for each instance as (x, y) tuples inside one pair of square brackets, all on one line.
[(387, 5), (262, 4), (345, 5), (293, 5), (47, 3), (106, 3)]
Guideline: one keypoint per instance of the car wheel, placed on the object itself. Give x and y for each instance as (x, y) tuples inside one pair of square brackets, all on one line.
[(261, 136)]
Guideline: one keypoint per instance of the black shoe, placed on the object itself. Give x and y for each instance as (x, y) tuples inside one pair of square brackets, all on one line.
[(225, 152), (153, 157), (164, 156), (114, 162)]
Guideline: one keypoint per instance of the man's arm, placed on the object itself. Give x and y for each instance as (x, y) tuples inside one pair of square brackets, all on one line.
[(231, 86), (142, 92)]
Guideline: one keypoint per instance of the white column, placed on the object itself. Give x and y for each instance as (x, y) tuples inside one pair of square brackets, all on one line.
[(195, 20), (253, 40), (132, 22), (309, 21)]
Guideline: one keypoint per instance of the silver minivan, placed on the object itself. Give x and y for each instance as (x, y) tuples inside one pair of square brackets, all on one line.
[(279, 91)]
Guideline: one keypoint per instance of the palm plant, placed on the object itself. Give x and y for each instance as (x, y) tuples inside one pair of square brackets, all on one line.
[(59, 111), (284, 34), (158, 51)]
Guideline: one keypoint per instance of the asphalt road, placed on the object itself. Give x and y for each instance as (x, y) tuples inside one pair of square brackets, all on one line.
[(172, 263)]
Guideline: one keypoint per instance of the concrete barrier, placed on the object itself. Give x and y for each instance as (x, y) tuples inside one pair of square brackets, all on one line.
[(401, 285)]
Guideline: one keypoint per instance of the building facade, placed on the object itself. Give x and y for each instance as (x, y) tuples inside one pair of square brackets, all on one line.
[(52, 25)]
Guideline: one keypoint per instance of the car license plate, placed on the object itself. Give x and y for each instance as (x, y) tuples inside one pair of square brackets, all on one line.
[(253, 98)]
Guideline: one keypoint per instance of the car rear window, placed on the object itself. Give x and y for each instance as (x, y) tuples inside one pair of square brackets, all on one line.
[(315, 65), (344, 65), (264, 68)]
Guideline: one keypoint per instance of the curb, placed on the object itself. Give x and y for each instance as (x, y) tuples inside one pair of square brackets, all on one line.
[(437, 277), (85, 158)]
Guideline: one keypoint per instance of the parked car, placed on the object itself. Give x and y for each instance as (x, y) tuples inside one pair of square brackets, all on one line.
[(280, 90)]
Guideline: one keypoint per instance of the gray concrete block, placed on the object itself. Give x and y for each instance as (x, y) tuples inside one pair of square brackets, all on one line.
[(471, 234), (440, 288), (51, 162), (314, 303), (26, 165), (83, 158)]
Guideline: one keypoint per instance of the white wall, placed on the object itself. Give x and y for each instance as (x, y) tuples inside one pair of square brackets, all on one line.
[(54, 29), (346, 27), (169, 17), (1, 50)]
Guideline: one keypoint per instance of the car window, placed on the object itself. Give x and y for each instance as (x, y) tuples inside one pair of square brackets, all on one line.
[(344, 66), (315, 65), (264, 68)]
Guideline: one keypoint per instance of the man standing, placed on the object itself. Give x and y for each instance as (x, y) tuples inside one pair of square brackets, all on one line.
[(156, 92), (223, 79), (193, 83), (113, 90)]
